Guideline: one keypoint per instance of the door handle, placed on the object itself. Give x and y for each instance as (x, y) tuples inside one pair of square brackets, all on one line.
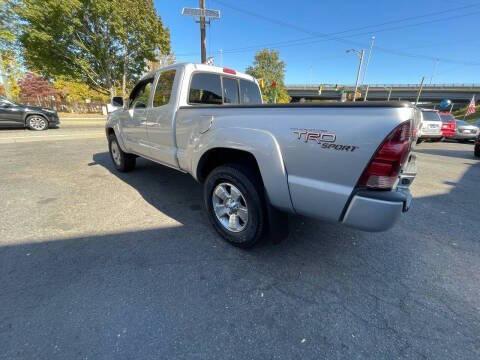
[(206, 122)]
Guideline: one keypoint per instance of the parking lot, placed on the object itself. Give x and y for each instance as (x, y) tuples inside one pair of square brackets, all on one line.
[(97, 264)]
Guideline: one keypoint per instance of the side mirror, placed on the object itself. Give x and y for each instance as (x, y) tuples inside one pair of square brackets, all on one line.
[(117, 101)]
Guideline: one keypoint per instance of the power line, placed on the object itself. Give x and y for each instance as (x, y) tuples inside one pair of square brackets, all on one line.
[(308, 40), (293, 26)]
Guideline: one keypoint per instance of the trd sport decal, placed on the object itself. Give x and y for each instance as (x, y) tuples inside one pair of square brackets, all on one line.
[(324, 138)]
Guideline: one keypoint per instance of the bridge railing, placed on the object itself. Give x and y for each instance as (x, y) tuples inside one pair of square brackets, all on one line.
[(384, 86)]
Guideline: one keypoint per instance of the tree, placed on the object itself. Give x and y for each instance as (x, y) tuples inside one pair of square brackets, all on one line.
[(103, 43), (8, 37), (76, 91), (268, 67), (161, 60), (33, 87)]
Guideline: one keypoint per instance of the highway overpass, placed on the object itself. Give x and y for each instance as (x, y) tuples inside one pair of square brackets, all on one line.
[(460, 94)]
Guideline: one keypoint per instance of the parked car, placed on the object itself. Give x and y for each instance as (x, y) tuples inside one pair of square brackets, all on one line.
[(344, 162), (32, 117), (465, 131), (476, 150), (449, 126), (430, 127)]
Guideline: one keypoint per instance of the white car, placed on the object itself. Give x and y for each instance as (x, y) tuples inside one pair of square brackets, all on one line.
[(430, 126)]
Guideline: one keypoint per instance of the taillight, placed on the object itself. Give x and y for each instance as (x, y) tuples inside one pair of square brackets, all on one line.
[(382, 171)]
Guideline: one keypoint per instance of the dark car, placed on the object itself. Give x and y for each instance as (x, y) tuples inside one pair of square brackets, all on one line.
[(32, 117), (477, 146)]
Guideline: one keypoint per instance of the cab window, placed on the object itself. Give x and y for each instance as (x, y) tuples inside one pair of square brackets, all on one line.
[(140, 94), (163, 91), (205, 89), (230, 91), (249, 93)]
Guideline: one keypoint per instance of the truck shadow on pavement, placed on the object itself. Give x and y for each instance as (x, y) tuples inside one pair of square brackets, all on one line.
[(179, 291)]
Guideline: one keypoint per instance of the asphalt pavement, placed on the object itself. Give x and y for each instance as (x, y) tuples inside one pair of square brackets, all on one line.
[(95, 264)]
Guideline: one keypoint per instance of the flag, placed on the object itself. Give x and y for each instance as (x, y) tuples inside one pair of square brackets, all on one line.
[(210, 61), (471, 107)]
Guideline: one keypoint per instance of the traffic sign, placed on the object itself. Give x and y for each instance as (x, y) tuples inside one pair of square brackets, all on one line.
[(209, 13)]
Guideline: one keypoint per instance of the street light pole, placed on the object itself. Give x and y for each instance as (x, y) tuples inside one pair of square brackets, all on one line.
[(368, 59), (203, 35), (361, 54)]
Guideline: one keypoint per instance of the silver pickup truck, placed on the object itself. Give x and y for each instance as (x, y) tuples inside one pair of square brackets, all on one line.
[(344, 162)]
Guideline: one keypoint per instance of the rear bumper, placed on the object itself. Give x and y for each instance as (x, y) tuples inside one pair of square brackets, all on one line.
[(377, 210), (430, 136), (448, 133), (459, 136)]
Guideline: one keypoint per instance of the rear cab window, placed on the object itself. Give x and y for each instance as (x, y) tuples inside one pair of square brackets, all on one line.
[(447, 117), (431, 116), (216, 89)]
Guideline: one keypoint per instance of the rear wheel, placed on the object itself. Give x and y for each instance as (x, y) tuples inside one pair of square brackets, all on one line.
[(234, 200), (123, 161), (37, 123)]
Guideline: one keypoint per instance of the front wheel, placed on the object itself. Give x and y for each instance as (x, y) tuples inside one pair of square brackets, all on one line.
[(37, 123), (477, 151), (234, 200), (123, 162)]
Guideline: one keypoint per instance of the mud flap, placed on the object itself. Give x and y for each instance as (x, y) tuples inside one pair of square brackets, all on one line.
[(277, 224)]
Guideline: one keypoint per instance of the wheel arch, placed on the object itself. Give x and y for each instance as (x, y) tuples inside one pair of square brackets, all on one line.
[(29, 114), (254, 147), (113, 129)]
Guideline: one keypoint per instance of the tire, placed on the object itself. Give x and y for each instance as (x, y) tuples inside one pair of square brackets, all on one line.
[(122, 161), (419, 141), (36, 122), (235, 204)]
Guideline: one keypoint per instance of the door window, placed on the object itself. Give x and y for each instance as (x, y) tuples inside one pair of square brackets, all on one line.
[(230, 91), (205, 89), (164, 88), (140, 94)]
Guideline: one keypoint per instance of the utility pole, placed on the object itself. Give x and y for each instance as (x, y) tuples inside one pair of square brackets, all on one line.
[(203, 32), (361, 55), (204, 16)]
